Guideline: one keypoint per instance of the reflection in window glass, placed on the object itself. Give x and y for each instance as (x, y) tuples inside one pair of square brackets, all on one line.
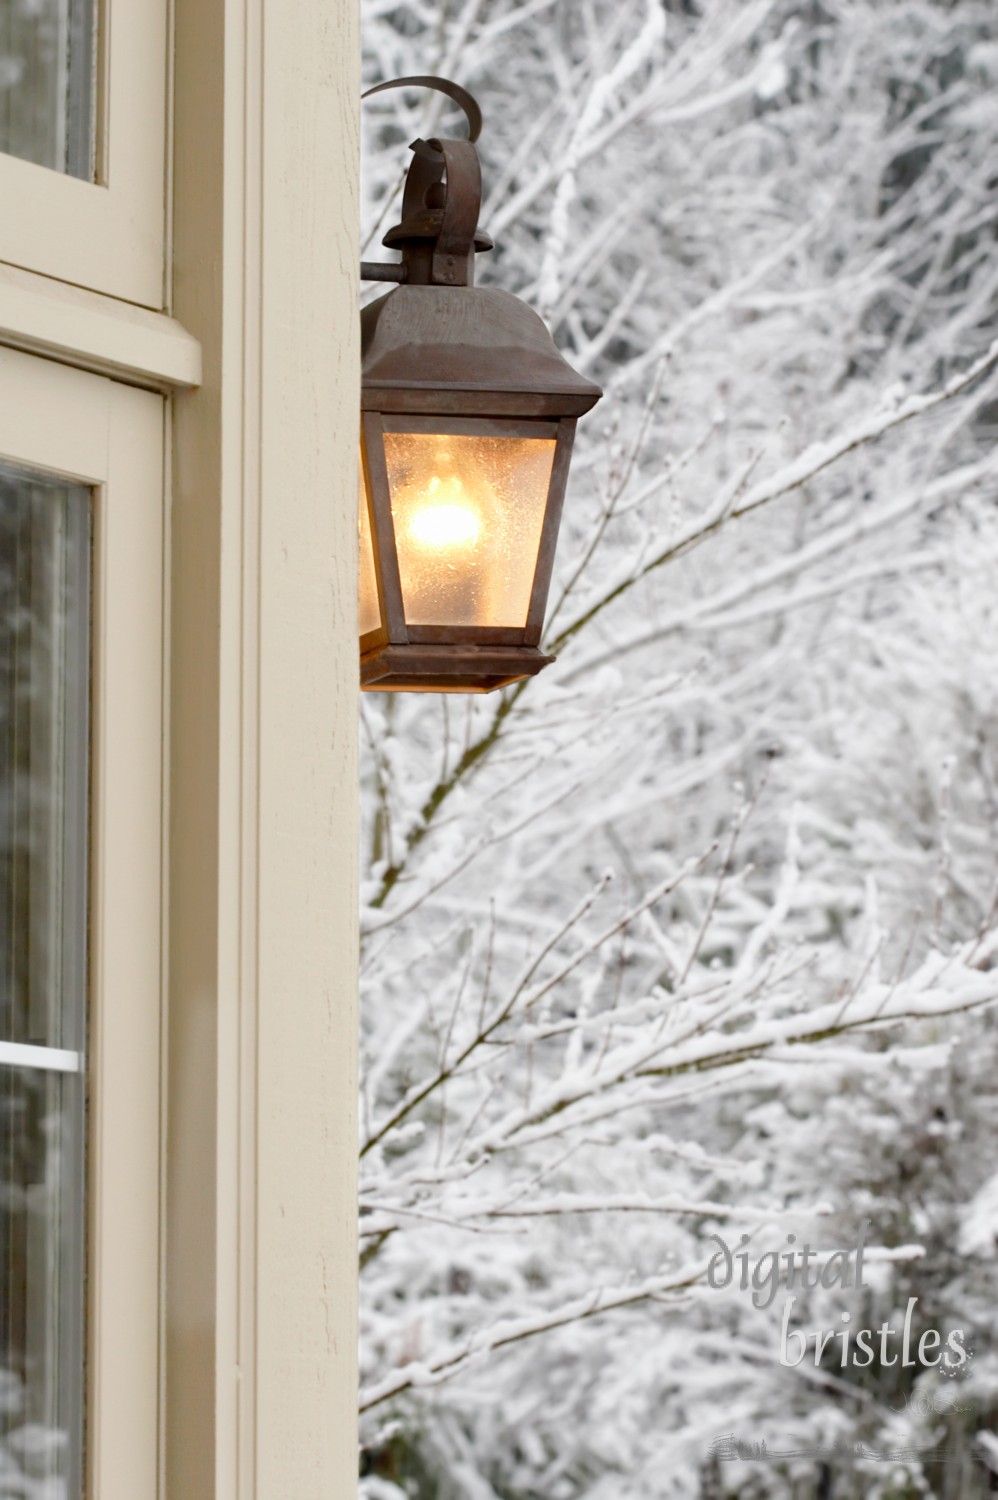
[(44, 659), (47, 83)]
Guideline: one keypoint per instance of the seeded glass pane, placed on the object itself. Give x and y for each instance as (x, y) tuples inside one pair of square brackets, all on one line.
[(468, 513), (44, 656), (47, 83), (370, 609)]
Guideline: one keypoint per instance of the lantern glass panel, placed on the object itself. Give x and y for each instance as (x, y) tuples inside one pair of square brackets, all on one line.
[(468, 511), (370, 610)]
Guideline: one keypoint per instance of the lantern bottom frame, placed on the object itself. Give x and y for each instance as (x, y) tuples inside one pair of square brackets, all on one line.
[(448, 669)]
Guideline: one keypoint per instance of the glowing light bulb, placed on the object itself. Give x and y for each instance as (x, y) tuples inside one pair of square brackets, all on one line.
[(448, 518)]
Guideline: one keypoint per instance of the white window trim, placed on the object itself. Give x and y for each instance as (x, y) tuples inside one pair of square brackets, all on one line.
[(109, 236), (87, 428)]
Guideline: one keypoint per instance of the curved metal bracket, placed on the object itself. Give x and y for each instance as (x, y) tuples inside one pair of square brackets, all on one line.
[(454, 91), (454, 251), (438, 235)]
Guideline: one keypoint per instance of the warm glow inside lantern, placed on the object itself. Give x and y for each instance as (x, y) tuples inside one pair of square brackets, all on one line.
[(468, 418), (467, 512)]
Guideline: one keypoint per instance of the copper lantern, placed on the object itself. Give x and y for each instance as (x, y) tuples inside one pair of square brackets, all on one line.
[(468, 414)]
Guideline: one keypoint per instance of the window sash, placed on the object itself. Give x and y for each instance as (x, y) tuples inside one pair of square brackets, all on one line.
[(108, 235), (90, 429)]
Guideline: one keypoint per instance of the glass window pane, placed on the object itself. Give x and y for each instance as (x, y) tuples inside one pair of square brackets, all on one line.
[(47, 83), (44, 671), (468, 513)]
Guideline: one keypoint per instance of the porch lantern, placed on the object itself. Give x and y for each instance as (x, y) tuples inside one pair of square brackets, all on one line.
[(468, 416)]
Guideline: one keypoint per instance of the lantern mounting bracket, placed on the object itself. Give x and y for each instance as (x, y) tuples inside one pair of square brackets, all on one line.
[(438, 235)]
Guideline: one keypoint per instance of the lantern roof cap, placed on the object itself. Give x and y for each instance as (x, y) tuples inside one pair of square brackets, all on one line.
[(474, 350)]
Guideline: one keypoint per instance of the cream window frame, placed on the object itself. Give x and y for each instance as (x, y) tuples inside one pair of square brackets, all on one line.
[(87, 428), (110, 235)]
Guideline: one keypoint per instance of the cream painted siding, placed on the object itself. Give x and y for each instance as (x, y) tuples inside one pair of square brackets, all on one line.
[(261, 1264)]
